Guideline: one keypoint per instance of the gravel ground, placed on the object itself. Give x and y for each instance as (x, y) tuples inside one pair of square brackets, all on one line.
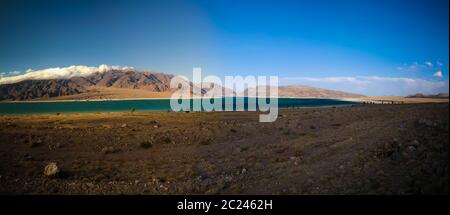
[(372, 149)]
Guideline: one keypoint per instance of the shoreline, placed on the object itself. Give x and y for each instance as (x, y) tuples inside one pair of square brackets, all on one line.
[(131, 99), (358, 99)]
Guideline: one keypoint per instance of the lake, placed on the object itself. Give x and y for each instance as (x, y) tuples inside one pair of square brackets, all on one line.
[(140, 105)]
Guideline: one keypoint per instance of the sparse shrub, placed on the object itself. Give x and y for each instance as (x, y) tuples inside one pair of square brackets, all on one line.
[(146, 144), (298, 153), (287, 132), (166, 139), (35, 142), (243, 148), (206, 141)]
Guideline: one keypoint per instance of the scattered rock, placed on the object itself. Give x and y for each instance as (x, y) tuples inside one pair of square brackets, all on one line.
[(51, 170), (427, 122), (415, 143), (99, 177), (108, 150), (411, 148), (58, 145), (53, 190), (124, 125), (35, 143), (27, 156), (243, 171)]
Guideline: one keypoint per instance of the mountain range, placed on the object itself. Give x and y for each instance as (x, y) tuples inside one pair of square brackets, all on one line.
[(124, 84)]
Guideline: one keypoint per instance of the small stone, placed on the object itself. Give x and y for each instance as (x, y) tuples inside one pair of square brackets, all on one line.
[(411, 148), (27, 156), (123, 125), (51, 170), (108, 150), (53, 190), (35, 143), (58, 145), (243, 171), (415, 143)]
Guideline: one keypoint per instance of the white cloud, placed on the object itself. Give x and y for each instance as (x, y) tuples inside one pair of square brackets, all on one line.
[(416, 67), (438, 74), (59, 73), (341, 79)]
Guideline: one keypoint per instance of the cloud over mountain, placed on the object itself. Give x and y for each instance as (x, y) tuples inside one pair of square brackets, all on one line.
[(61, 73)]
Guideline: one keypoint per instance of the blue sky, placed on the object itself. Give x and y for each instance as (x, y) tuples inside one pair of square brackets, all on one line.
[(383, 47)]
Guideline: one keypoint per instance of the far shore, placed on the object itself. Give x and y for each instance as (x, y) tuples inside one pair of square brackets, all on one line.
[(397, 99)]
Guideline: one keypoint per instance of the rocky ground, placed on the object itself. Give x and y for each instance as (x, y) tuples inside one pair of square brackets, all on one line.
[(373, 149)]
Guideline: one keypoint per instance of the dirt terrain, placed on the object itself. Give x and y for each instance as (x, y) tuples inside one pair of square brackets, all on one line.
[(371, 149)]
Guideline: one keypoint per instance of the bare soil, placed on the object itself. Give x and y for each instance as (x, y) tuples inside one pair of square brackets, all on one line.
[(372, 149)]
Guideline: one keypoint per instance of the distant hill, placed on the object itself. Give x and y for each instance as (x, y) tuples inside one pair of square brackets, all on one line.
[(129, 83), (45, 89), (113, 84), (420, 95), (300, 91)]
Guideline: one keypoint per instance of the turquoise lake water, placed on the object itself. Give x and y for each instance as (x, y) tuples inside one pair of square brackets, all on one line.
[(141, 105)]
